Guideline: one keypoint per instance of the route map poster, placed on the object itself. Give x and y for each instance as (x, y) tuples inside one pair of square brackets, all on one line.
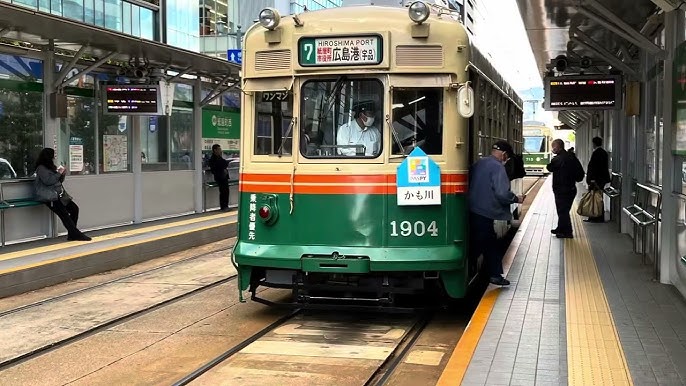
[(115, 150)]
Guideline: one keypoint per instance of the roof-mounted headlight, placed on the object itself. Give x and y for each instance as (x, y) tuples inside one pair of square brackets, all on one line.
[(269, 18), (419, 12)]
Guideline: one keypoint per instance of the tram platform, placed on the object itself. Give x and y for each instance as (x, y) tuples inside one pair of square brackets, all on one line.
[(582, 311), (33, 265)]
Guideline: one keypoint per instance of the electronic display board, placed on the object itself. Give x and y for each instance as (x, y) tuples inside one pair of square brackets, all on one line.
[(583, 92), (132, 100)]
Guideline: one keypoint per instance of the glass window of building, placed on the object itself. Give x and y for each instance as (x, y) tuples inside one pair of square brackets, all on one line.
[(99, 10), (113, 15), (20, 69), (73, 9), (417, 120), (182, 24), (341, 118), (214, 18), (126, 17), (273, 122), (312, 5), (148, 24), (89, 11), (116, 15)]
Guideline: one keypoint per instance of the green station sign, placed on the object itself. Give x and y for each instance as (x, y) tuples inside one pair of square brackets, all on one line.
[(221, 127)]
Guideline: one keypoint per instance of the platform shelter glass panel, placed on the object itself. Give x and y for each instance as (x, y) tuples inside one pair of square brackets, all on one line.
[(21, 131), (154, 137), (182, 150), (77, 136)]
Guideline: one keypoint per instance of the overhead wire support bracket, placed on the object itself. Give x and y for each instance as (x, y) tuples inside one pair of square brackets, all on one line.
[(89, 69), (70, 66)]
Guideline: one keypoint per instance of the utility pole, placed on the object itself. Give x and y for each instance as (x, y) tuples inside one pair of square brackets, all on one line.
[(534, 102)]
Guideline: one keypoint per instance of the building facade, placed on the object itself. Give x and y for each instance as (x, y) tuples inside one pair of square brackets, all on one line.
[(221, 23)]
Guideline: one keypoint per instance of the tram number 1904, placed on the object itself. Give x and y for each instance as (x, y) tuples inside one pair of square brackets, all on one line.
[(418, 229)]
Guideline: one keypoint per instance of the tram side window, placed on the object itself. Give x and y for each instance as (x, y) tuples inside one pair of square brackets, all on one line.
[(341, 118), (273, 123), (417, 120)]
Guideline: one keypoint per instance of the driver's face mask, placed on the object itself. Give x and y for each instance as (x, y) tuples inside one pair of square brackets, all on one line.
[(368, 121)]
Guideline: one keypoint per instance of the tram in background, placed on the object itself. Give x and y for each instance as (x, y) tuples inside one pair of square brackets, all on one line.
[(537, 147), (357, 137)]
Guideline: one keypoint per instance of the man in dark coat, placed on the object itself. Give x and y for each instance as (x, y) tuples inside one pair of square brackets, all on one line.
[(597, 173), (567, 171), (218, 166)]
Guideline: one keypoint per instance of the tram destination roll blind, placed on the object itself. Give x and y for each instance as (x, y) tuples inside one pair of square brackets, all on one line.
[(132, 100), (583, 92)]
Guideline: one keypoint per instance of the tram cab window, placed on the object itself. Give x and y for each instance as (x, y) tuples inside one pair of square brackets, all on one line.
[(534, 144), (273, 122), (341, 118), (417, 120)]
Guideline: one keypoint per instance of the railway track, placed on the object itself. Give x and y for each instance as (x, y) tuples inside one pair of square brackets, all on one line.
[(234, 350), (377, 376), (33, 353)]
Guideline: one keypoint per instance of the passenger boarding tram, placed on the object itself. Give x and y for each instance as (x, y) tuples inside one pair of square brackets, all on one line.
[(340, 107)]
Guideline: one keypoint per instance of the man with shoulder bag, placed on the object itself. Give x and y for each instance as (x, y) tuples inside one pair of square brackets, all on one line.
[(598, 175)]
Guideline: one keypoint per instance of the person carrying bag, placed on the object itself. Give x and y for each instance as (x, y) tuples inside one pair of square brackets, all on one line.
[(591, 204), (49, 189)]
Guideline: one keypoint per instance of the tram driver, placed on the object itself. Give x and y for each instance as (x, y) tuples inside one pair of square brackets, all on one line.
[(360, 131)]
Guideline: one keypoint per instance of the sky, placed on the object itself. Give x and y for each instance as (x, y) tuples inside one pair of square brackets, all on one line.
[(505, 38)]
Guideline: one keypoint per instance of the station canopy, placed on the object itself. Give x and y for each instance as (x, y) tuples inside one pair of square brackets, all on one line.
[(611, 33), (95, 44)]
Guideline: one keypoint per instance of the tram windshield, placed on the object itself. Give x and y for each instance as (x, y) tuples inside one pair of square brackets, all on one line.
[(417, 120), (534, 144), (341, 118)]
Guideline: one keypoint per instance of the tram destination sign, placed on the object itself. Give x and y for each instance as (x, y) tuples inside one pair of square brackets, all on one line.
[(583, 92), (340, 51)]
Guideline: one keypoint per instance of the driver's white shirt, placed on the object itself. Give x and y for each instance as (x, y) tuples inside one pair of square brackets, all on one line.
[(352, 134)]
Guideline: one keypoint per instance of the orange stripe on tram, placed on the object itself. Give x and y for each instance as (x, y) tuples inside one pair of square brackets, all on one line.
[(267, 187), (340, 179)]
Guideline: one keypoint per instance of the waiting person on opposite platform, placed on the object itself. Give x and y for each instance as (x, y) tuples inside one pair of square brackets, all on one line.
[(49, 189), (219, 167)]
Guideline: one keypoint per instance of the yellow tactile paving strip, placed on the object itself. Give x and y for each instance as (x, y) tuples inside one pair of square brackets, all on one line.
[(594, 353)]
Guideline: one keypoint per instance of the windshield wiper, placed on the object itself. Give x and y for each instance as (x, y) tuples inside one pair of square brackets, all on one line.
[(285, 137), (329, 100)]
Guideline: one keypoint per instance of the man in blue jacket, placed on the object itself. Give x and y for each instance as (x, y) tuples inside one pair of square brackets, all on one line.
[(490, 198)]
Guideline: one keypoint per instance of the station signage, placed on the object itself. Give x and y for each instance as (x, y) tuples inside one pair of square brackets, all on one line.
[(340, 51), (583, 92), (132, 100)]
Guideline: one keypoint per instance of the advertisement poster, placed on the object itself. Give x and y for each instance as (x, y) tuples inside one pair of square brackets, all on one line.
[(75, 158), (115, 153), (223, 128)]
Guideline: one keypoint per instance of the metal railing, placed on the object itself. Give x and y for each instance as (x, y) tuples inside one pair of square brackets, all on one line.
[(645, 212), (613, 192)]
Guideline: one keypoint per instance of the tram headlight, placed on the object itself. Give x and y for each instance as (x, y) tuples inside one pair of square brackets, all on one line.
[(419, 12), (269, 18)]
